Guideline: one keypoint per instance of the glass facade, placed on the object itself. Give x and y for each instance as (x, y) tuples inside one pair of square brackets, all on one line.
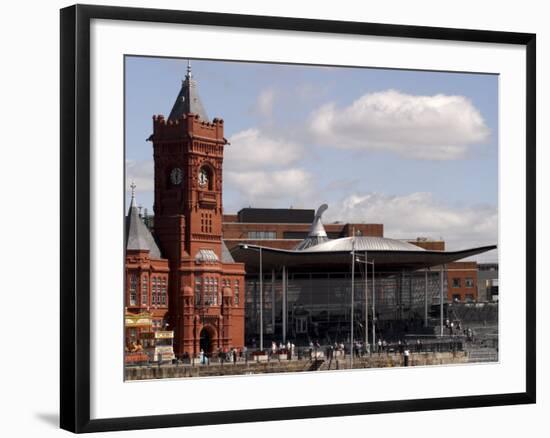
[(319, 305)]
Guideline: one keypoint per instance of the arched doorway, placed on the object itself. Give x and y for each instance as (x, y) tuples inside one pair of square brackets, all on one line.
[(207, 339)]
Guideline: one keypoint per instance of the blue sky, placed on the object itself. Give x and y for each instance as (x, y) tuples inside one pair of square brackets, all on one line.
[(417, 151)]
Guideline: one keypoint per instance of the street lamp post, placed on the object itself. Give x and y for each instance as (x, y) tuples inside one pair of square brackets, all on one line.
[(366, 263), (261, 304), (441, 299), (352, 297), (373, 309), (366, 301)]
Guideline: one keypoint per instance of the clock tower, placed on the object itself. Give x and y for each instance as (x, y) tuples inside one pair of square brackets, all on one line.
[(206, 297)]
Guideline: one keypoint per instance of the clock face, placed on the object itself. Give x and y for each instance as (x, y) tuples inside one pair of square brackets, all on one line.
[(176, 176), (203, 177)]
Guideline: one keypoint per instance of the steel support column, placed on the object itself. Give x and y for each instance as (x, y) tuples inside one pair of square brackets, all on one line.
[(273, 302), (426, 298), (441, 300), (366, 300), (284, 304)]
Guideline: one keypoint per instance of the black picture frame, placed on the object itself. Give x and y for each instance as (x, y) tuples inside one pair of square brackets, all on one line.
[(75, 217)]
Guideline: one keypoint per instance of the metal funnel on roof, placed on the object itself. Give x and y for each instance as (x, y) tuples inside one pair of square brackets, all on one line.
[(317, 229), (317, 233)]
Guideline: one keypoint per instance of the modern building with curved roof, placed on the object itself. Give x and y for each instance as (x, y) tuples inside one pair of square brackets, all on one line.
[(220, 281), (308, 289)]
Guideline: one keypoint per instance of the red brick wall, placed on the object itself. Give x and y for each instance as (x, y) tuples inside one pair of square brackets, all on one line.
[(430, 245), (139, 264), (459, 274), (188, 218), (239, 230)]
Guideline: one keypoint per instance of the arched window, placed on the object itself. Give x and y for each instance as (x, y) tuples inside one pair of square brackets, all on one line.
[(133, 289), (154, 292), (236, 292), (144, 290), (215, 292), (198, 290), (163, 291), (207, 291), (206, 178)]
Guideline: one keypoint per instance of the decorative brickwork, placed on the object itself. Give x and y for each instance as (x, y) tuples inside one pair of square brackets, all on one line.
[(188, 157)]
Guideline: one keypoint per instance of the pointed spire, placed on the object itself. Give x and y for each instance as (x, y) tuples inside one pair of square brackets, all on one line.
[(188, 76), (133, 187), (138, 236), (188, 100)]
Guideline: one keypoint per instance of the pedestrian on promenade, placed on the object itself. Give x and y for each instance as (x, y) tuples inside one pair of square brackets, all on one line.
[(406, 357)]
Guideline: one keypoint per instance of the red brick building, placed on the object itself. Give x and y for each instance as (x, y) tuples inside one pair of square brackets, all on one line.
[(462, 281), (284, 228), (183, 277), (461, 276), (147, 282), (204, 304)]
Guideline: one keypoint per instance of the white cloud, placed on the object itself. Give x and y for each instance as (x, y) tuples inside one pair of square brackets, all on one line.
[(270, 188), (253, 149), (420, 215), (265, 102), (142, 173), (438, 127)]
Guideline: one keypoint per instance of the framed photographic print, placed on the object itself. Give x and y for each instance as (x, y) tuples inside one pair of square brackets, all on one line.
[(269, 218)]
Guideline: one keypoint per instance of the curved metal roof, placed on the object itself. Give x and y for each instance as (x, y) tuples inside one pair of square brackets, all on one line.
[(317, 252), (363, 243), (338, 258)]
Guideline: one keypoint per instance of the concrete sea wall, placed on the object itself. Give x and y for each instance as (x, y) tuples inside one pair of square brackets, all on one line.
[(286, 366)]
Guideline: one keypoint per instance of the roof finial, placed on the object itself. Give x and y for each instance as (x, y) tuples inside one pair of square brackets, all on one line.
[(133, 187), (188, 75)]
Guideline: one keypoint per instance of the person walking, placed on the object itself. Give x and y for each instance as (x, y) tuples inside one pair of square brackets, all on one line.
[(406, 357)]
